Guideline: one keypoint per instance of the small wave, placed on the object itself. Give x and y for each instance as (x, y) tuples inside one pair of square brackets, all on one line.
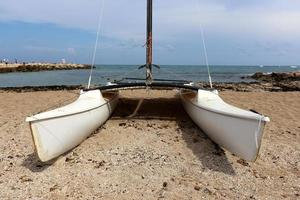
[(294, 66), (268, 73)]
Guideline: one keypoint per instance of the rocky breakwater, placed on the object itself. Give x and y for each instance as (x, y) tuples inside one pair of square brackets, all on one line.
[(34, 67), (285, 81)]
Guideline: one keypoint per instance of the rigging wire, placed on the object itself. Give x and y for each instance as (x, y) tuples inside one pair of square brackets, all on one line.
[(205, 50), (100, 19), (206, 57)]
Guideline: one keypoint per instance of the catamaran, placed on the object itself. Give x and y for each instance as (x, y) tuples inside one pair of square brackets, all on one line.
[(57, 131)]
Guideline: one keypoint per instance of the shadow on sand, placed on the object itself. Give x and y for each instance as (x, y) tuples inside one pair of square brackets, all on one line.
[(210, 154), (32, 163)]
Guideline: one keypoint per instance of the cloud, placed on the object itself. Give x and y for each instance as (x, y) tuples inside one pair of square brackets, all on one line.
[(125, 19), (231, 27), (244, 19)]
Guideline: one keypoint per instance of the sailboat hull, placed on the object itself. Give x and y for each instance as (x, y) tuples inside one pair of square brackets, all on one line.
[(239, 131), (58, 131)]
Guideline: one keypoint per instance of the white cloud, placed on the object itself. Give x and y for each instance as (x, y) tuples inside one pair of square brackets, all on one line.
[(265, 22), (242, 23), (125, 19)]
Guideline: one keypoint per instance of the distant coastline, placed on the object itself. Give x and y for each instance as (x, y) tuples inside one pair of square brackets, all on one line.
[(269, 86), (48, 76), (35, 67)]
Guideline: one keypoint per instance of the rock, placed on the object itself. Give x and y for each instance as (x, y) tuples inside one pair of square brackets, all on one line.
[(257, 75), (266, 85), (197, 187), (100, 164), (243, 162), (42, 88), (288, 85), (149, 125), (25, 179), (122, 124), (275, 76), (207, 191), (68, 159), (54, 187), (165, 184), (35, 67)]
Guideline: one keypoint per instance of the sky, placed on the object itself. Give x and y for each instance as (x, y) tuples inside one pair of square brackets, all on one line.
[(237, 32)]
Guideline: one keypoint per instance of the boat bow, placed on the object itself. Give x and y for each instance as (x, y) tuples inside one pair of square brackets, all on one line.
[(58, 131), (237, 130)]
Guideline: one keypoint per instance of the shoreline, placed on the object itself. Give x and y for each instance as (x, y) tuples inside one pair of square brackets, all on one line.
[(271, 82), (281, 86), (35, 67)]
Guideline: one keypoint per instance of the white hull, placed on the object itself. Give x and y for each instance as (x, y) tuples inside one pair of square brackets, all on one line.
[(239, 131), (58, 131)]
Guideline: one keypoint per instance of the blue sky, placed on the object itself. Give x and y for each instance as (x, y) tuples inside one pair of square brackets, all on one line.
[(237, 32)]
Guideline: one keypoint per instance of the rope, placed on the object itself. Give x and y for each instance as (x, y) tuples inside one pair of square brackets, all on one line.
[(136, 109), (96, 42), (206, 58), (205, 51)]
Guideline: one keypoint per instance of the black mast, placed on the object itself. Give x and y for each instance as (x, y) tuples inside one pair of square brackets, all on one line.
[(149, 77)]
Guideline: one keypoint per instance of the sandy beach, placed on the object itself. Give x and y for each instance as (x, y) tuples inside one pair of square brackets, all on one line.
[(158, 154)]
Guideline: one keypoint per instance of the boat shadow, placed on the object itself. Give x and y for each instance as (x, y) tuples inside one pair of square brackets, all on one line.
[(33, 163), (210, 155)]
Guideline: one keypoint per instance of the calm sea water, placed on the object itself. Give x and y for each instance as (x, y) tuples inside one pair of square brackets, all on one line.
[(105, 73)]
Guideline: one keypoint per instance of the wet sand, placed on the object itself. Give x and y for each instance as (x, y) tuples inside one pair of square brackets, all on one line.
[(158, 153)]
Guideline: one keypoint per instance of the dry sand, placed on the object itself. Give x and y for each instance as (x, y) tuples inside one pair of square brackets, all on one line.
[(159, 153)]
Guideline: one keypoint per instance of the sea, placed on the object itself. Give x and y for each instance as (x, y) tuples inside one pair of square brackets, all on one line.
[(108, 73)]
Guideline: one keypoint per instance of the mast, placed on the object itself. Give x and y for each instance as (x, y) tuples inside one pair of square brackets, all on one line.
[(149, 42)]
